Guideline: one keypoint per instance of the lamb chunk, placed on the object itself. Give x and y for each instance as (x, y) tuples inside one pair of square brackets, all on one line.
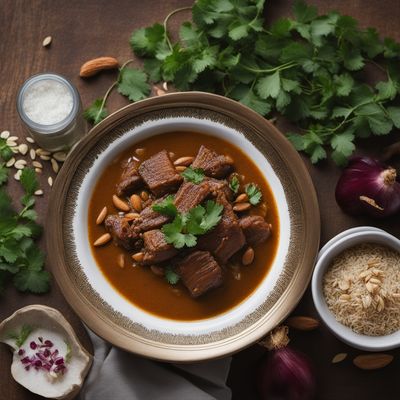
[(226, 238), (122, 232), (213, 164), (200, 273), (255, 229), (156, 249), (150, 219), (191, 195), (219, 185), (130, 179), (159, 174)]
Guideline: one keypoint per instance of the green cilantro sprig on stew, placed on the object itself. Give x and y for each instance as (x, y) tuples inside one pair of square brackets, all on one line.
[(306, 68), (185, 227)]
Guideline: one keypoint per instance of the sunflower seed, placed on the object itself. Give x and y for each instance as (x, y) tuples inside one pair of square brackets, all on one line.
[(339, 358), (60, 156), (39, 192), (11, 143), (45, 158), (50, 181), (30, 140), (38, 170), (13, 138), (47, 41), (37, 164), (23, 148), (10, 162), (165, 86), (42, 152), (54, 165), (32, 154), (20, 164), (17, 176), (5, 134), (14, 149)]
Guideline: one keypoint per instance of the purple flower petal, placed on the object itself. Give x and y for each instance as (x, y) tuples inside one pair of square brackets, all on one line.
[(21, 352), (33, 345)]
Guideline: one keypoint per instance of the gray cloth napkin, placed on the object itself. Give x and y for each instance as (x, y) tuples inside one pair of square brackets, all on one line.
[(119, 375)]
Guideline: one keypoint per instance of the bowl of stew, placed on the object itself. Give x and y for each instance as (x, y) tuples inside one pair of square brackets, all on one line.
[(185, 227)]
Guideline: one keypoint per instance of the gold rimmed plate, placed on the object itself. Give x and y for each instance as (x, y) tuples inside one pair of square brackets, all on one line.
[(100, 305)]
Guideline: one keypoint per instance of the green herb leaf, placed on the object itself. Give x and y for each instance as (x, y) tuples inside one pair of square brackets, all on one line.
[(194, 175), (166, 207), (28, 181), (95, 113), (234, 184), (254, 194), (173, 233), (269, 86), (171, 276), (21, 336), (3, 175), (32, 280), (133, 84)]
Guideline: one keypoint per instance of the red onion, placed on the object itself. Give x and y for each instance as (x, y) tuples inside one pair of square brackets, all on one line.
[(368, 187), (284, 374)]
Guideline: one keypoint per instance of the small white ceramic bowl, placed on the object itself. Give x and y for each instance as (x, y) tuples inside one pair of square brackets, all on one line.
[(335, 246)]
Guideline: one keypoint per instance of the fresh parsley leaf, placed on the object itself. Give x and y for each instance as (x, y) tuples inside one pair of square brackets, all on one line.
[(28, 181), (32, 280), (174, 233), (3, 175), (269, 86), (394, 114), (95, 113), (303, 12), (146, 41), (21, 336), (133, 84), (234, 184), (171, 276), (254, 194), (166, 207), (212, 215), (194, 175)]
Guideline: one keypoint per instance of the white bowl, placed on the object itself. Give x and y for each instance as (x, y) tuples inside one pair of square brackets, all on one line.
[(334, 247)]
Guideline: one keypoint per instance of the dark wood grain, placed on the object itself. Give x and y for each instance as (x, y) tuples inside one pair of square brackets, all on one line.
[(85, 29)]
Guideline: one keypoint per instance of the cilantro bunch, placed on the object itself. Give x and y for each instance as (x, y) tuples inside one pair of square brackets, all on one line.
[(21, 260), (308, 68), (185, 227)]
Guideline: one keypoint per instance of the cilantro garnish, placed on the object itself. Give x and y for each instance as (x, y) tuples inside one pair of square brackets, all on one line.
[(21, 336), (234, 184), (194, 175), (185, 228), (171, 276), (96, 112), (254, 194), (21, 260), (166, 207)]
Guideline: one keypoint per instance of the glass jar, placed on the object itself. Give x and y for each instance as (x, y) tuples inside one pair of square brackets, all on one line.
[(51, 110)]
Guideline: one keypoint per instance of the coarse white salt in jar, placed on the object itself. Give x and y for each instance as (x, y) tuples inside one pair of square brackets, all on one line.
[(51, 109)]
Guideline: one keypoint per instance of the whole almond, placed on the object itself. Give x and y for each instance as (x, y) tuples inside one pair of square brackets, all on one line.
[(120, 204), (242, 198), (180, 168), (302, 323), (373, 361), (185, 161), (121, 260), (339, 358), (102, 215), (239, 207), (92, 67), (248, 256), (136, 202), (131, 216), (102, 240), (138, 257)]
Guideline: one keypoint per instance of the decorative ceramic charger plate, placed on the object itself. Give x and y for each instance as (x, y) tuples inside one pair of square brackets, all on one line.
[(120, 322)]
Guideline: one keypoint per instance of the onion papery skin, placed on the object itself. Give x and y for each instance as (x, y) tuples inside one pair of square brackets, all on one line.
[(285, 374), (365, 176)]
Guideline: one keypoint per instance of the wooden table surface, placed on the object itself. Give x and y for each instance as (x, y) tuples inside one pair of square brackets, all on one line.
[(82, 30)]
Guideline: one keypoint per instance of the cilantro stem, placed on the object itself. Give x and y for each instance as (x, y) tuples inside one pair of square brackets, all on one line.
[(287, 65), (109, 90), (165, 23)]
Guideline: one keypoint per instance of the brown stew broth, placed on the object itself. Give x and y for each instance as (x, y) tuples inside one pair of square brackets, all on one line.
[(153, 293)]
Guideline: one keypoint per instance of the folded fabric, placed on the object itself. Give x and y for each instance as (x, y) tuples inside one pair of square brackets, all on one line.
[(119, 375)]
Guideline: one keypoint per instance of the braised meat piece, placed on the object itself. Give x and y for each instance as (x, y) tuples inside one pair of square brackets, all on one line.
[(156, 249), (226, 238), (150, 219), (213, 164), (219, 185), (191, 195), (255, 229), (130, 178), (200, 272), (122, 232), (159, 174)]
